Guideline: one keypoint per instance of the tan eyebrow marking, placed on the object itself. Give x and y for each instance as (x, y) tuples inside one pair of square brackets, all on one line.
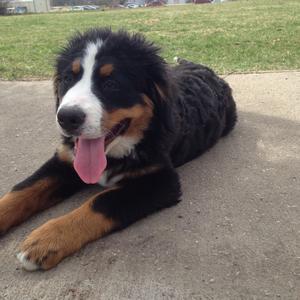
[(76, 66), (106, 70)]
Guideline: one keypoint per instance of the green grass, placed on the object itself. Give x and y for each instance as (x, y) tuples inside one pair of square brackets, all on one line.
[(238, 36)]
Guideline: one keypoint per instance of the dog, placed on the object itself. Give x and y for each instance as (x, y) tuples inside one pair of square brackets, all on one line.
[(127, 120)]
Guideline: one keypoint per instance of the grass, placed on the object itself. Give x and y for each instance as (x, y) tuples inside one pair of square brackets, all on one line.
[(238, 36)]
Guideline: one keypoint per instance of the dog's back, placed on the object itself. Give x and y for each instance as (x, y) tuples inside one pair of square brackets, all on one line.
[(205, 110)]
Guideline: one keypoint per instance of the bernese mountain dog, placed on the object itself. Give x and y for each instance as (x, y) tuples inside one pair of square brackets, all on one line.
[(127, 120)]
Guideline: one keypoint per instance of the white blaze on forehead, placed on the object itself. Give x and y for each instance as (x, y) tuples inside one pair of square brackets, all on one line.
[(81, 94)]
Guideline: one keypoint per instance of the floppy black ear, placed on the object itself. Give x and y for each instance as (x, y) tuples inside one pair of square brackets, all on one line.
[(56, 90), (159, 90)]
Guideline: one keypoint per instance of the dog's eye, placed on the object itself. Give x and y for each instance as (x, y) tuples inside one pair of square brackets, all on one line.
[(110, 85)]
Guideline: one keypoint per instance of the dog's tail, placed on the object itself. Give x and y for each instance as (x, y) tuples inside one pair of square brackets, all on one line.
[(231, 114), (181, 61)]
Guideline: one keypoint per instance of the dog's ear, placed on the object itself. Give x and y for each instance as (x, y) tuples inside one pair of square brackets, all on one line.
[(159, 90), (162, 91), (56, 81), (160, 77)]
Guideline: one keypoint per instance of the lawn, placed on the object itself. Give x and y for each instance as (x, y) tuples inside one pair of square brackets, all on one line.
[(237, 36)]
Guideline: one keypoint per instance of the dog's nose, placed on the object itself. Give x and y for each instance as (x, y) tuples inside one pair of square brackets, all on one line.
[(70, 118)]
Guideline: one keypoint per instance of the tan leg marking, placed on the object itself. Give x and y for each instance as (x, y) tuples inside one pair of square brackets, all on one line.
[(15, 207), (46, 246)]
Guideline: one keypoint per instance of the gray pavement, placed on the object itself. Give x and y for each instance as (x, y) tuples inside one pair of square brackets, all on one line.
[(235, 235)]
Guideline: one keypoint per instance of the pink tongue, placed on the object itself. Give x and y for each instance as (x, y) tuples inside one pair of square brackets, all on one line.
[(90, 160)]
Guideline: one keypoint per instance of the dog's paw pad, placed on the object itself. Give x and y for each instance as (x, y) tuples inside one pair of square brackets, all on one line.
[(26, 263)]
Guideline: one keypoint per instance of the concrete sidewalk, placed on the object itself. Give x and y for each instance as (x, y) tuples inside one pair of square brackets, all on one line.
[(235, 235)]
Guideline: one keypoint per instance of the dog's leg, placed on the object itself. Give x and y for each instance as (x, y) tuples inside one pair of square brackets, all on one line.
[(110, 210), (54, 181)]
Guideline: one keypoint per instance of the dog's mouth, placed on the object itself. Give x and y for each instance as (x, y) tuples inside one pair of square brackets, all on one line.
[(117, 130), (90, 159)]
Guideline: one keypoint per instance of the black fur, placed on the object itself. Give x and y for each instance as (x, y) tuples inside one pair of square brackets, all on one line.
[(192, 109), (140, 197), (204, 108)]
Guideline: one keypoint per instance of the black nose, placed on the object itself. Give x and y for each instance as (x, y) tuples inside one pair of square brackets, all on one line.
[(70, 118)]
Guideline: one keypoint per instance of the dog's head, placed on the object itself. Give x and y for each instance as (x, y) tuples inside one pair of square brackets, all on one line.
[(107, 86)]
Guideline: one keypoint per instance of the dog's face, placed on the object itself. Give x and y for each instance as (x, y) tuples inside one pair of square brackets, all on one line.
[(108, 86), (105, 84)]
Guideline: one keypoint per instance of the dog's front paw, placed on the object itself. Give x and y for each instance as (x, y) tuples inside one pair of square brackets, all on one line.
[(45, 247)]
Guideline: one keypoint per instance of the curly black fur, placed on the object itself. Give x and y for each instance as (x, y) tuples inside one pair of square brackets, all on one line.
[(191, 106), (197, 106)]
